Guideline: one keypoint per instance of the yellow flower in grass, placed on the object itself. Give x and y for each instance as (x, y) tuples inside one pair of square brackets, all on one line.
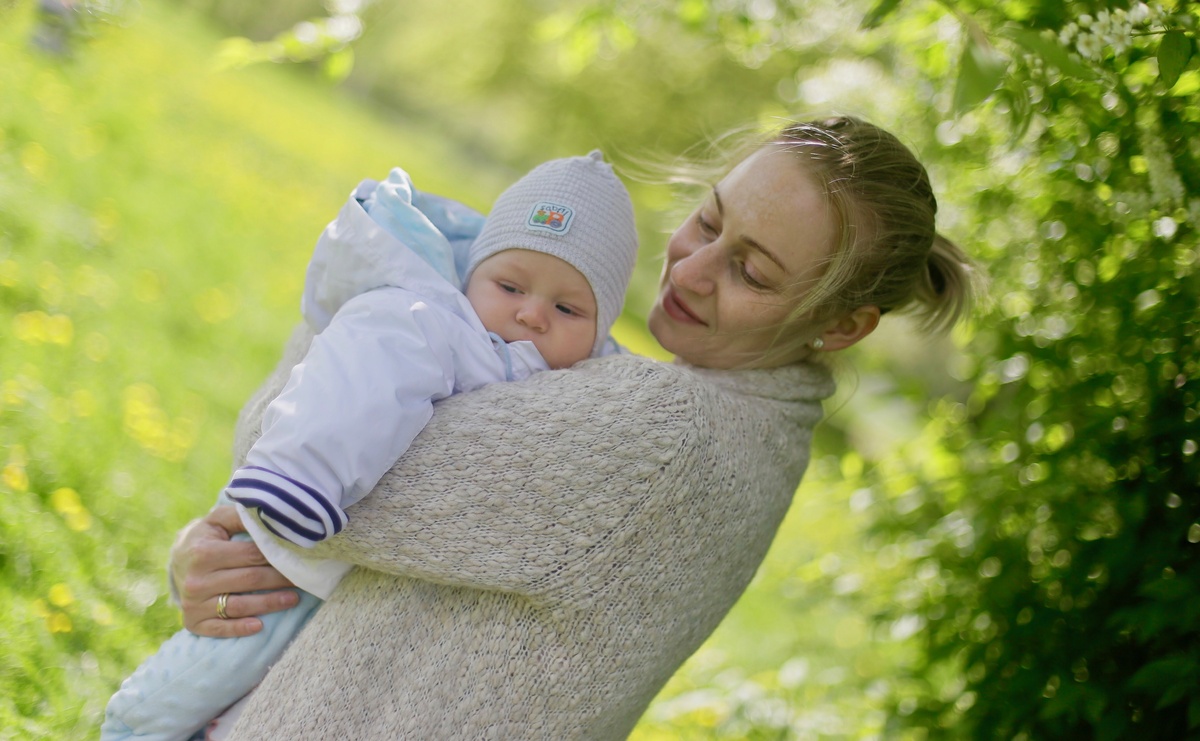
[(59, 329), (38, 327), (66, 502), (145, 422), (150, 427), (30, 326), (59, 623), (15, 478), (60, 595)]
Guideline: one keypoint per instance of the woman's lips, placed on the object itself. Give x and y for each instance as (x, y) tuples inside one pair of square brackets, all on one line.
[(678, 310)]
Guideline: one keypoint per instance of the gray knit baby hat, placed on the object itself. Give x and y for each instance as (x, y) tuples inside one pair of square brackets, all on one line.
[(578, 210)]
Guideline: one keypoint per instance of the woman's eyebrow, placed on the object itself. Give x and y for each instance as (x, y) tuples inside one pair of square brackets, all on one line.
[(749, 241)]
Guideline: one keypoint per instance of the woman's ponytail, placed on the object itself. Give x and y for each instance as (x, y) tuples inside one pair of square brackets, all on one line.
[(947, 289)]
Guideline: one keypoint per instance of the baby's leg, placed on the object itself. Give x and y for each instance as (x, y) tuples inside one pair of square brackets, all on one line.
[(220, 727), (191, 679)]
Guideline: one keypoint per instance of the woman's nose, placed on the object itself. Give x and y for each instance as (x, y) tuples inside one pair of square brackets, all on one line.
[(696, 271), (533, 315)]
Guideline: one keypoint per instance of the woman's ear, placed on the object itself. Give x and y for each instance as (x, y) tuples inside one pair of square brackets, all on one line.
[(851, 328)]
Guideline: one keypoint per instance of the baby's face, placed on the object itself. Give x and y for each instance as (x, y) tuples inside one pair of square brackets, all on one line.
[(526, 295)]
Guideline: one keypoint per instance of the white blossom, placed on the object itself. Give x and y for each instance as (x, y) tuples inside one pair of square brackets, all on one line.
[(1089, 46)]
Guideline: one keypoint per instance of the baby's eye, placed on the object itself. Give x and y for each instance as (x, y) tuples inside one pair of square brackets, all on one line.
[(510, 288), (566, 309)]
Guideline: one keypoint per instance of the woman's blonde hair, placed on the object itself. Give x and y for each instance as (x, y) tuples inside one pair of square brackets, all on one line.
[(889, 253)]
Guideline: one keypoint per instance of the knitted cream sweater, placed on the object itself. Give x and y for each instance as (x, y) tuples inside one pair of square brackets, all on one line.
[(545, 555)]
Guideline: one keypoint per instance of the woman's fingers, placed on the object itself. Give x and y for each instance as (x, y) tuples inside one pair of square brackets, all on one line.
[(246, 579), (240, 610), (217, 628), (226, 554), (198, 590), (248, 605), (213, 567), (226, 517)]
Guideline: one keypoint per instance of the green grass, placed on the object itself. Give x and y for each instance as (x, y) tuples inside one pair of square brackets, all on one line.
[(155, 220)]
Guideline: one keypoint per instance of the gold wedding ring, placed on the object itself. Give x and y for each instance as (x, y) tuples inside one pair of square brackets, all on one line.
[(222, 603)]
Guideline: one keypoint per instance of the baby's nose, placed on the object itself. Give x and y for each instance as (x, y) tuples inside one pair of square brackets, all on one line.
[(533, 315)]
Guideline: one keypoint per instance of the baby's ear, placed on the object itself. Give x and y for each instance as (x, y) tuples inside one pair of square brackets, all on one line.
[(851, 328)]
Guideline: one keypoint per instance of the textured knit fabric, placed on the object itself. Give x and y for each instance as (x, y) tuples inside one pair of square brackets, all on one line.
[(546, 554), (578, 210)]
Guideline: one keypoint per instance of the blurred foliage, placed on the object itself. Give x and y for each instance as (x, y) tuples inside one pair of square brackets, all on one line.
[(324, 40), (1052, 517)]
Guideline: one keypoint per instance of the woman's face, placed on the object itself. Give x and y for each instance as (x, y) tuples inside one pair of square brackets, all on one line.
[(737, 266)]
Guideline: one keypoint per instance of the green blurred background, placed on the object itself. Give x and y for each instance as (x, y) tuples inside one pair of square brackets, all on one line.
[(998, 536)]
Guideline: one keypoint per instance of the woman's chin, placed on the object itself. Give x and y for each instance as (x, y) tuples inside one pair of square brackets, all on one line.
[(665, 331), (659, 325)]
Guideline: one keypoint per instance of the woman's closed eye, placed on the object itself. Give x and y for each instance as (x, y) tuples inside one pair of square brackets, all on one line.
[(750, 280), (706, 226)]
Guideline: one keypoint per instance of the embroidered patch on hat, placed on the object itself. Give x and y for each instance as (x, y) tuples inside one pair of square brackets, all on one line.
[(550, 217)]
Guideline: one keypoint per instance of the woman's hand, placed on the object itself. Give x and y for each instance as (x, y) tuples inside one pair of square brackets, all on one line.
[(205, 564)]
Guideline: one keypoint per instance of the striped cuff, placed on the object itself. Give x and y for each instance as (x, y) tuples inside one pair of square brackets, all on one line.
[(289, 509)]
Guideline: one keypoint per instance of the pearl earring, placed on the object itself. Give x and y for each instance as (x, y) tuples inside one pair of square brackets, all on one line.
[(817, 343)]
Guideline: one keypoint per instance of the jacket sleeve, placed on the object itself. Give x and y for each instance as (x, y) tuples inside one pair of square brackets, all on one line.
[(349, 409), (514, 484)]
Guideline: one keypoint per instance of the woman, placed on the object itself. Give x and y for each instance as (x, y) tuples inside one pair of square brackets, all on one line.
[(549, 552)]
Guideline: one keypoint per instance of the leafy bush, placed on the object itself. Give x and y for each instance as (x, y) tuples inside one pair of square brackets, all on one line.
[(1057, 510)]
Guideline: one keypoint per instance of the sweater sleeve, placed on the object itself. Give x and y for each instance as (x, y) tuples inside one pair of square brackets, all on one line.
[(509, 486), (350, 408)]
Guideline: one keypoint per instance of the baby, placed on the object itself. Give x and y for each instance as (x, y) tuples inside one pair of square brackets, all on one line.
[(543, 283)]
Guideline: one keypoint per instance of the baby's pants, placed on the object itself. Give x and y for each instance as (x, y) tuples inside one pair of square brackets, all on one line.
[(191, 679)]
